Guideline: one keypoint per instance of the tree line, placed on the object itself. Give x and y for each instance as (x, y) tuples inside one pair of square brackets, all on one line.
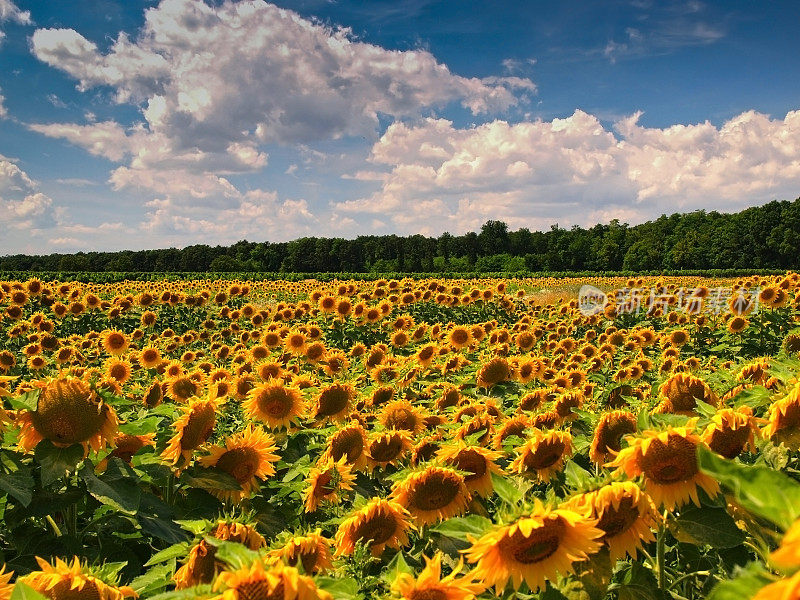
[(764, 237)]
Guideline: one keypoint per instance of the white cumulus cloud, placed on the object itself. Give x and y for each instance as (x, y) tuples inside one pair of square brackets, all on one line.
[(22, 205)]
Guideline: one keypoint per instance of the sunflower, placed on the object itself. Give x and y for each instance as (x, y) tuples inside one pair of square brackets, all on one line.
[(534, 549), (783, 420), (182, 388), (312, 549), (126, 446), (202, 566), (64, 581), (274, 404), (150, 357), (477, 462), (349, 442), (624, 513), (430, 585), (731, 431), (433, 494), (543, 454), (401, 414), (459, 337), (295, 343), (325, 481), (608, 434), (192, 430), (787, 588), (334, 401), (668, 461), (115, 343), (681, 392), (68, 412), (493, 372), (515, 426), (118, 369), (277, 581), (5, 586), (386, 448), (379, 524)]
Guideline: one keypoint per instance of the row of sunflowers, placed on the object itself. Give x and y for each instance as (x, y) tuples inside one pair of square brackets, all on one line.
[(417, 439)]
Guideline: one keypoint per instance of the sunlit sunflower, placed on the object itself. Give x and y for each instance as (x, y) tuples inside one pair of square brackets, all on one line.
[(258, 581), (783, 420), (608, 434), (668, 461), (274, 404), (295, 343), (192, 429), (202, 566), (513, 427), (681, 392), (401, 414), (115, 342), (118, 369), (247, 456), (459, 337), (543, 454), (65, 581), (387, 447), (126, 446), (731, 431), (430, 585), (334, 401), (182, 388), (350, 442), (624, 513), (433, 494), (379, 524), (312, 549), (326, 481), (476, 461), (493, 372), (787, 588), (534, 549), (6, 586), (150, 357), (68, 412)]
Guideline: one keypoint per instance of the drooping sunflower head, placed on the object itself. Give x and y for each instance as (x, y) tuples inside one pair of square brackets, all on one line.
[(543, 454), (534, 549), (432, 494), (731, 431), (624, 513), (312, 550), (430, 585), (349, 442), (68, 412), (783, 420), (248, 456), (334, 401), (257, 581), (68, 581), (681, 392), (192, 430), (386, 448), (379, 524), (275, 404), (493, 372), (608, 434), (476, 461)]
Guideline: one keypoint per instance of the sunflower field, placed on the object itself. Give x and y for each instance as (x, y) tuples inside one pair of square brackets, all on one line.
[(419, 439)]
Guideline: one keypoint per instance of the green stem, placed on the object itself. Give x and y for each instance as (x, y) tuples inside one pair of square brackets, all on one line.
[(56, 530), (660, 543), (687, 576)]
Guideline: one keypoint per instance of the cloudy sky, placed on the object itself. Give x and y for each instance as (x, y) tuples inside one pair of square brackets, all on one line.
[(130, 125)]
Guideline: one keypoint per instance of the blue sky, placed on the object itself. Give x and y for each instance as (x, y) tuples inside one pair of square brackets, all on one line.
[(155, 124)]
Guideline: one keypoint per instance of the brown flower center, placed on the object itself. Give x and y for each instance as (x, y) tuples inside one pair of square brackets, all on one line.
[(241, 463), (378, 529), (542, 543), (618, 520), (435, 491), (671, 462)]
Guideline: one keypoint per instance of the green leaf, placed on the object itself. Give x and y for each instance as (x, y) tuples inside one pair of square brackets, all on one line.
[(236, 555), (636, 582), (178, 550), (154, 579), (18, 484), (155, 518), (122, 494), (396, 567), (341, 589), (213, 479), (707, 525), (193, 593), (22, 591), (141, 426), (459, 527), (576, 476), (506, 490), (27, 401), (744, 584), (56, 462), (754, 397), (766, 493)]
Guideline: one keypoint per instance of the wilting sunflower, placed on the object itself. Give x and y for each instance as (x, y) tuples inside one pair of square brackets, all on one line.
[(624, 513), (334, 401), (325, 481), (312, 549), (5, 583), (430, 585), (476, 461), (68, 412), (274, 404), (731, 431), (192, 429), (681, 392), (433, 494), (202, 565), (247, 456), (276, 581), (608, 434), (783, 420), (387, 447), (668, 461), (535, 549), (493, 372), (64, 581), (379, 524), (350, 442), (543, 454)]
